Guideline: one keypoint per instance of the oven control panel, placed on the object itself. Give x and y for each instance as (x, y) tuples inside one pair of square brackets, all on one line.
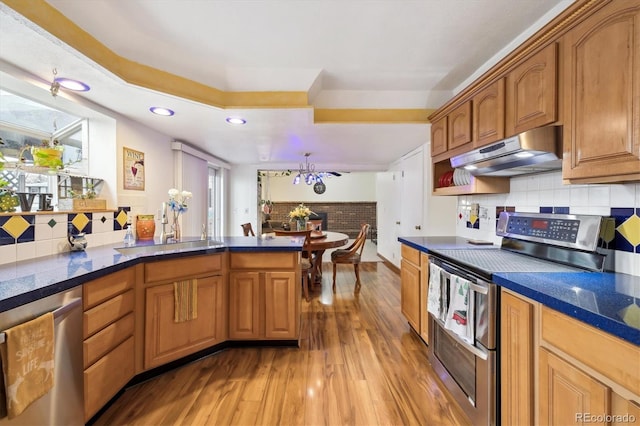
[(549, 229), (574, 231)]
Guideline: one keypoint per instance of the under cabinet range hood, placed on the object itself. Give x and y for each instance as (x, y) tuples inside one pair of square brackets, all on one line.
[(534, 151)]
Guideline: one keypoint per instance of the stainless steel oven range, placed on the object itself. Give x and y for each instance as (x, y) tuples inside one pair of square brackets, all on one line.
[(464, 304)]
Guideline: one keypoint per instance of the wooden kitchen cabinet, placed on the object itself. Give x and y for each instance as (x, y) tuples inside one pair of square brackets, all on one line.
[(244, 305), (424, 292), (167, 340), (459, 122), (532, 92), (264, 296), (488, 114), (517, 354), (602, 96), (108, 332), (410, 286), (566, 392), (439, 137)]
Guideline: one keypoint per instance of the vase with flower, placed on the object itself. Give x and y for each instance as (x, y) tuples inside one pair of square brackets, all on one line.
[(301, 215), (177, 205)]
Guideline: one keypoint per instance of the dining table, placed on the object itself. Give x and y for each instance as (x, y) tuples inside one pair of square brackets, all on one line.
[(321, 241)]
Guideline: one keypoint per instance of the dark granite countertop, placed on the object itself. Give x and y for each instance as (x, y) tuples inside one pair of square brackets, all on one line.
[(30, 280), (601, 299)]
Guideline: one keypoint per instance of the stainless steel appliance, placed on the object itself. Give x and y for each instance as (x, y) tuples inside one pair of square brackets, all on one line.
[(63, 405), (531, 243), (537, 150)]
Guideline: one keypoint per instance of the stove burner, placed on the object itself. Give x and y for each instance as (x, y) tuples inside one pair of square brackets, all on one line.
[(490, 261)]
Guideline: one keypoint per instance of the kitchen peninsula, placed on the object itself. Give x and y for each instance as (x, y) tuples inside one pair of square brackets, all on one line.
[(247, 291)]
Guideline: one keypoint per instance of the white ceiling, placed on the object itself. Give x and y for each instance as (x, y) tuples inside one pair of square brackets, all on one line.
[(382, 54)]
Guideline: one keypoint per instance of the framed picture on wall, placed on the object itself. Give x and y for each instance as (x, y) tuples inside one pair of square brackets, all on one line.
[(133, 169)]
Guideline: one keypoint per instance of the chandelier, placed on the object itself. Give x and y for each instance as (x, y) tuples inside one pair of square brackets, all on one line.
[(307, 172)]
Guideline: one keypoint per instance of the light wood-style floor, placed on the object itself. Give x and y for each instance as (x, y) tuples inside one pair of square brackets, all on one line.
[(358, 364)]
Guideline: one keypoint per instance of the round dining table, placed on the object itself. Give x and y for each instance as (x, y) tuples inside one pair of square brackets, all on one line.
[(319, 243)]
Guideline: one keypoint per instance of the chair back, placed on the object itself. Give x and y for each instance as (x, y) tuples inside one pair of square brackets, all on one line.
[(247, 229), (358, 244)]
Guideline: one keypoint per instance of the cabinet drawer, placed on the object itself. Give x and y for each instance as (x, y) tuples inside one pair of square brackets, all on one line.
[(614, 358), (410, 254), (107, 376), (264, 261), (101, 289), (175, 269), (105, 340), (97, 318)]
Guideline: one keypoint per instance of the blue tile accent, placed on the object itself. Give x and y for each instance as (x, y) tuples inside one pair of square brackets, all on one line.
[(116, 225), (560, 210), (546, 209), (52, 223), (6, 238), (620, 215)]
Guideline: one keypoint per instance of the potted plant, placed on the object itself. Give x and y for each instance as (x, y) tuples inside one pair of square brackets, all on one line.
[(49, 154)]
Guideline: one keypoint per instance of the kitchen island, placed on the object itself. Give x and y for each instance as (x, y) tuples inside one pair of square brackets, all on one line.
[(242, 290)]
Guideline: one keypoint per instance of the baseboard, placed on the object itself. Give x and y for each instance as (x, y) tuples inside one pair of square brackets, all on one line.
[(388, 264)]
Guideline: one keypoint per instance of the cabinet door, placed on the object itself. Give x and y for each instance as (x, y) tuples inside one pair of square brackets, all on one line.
[(244, 305), (439, 137), (424, 291), (282, 305), (567, 394), (602, 96), (166, 340), (532, 93), (516, 367), (488, 115), (410, 293), (460, 126)]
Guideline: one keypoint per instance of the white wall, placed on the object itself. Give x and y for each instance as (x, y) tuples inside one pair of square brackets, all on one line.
[(243, 199), (350, 187)]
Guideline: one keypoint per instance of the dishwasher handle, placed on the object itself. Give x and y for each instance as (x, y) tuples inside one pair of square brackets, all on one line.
[(56, 313)]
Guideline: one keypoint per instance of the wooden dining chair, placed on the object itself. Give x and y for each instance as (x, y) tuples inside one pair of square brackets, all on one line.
[(306, 263), (247, 229), (351, 255)]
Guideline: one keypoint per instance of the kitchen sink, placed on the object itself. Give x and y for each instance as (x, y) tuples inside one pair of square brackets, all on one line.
[(168, 247)]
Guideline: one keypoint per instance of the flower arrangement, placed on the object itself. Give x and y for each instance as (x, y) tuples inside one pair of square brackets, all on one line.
[(178, 205), (300, 212)]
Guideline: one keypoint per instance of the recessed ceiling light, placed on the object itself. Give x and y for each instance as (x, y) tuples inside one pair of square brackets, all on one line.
[(236, 120), (161, 111), (70, 84)]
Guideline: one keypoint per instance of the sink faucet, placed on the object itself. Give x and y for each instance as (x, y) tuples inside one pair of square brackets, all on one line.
[(165, 236)]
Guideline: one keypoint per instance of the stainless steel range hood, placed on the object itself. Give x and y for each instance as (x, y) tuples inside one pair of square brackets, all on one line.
[(537, 150)]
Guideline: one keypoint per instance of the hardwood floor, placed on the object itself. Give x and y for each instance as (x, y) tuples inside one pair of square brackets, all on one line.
[(358, 364)]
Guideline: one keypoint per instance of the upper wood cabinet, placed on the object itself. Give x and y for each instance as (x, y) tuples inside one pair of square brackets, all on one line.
[(602, 96), (439, 137), (488, 114), (532, 92), (459, 126)]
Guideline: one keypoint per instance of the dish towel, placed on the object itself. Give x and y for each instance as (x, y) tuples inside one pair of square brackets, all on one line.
[(460, 316), (434, 299), (185, 297), (27, 363)]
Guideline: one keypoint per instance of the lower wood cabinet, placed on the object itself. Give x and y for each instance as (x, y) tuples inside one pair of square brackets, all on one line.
[(516, 367), (108, 331), (556, 370), (167, 340), (567, 394), (414, 287), (264, 305)]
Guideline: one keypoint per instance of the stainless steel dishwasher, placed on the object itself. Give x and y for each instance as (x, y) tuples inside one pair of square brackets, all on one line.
[(63, 405)]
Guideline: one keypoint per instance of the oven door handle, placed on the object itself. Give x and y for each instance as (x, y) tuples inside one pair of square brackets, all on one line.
[(473, 286), (478, 352)]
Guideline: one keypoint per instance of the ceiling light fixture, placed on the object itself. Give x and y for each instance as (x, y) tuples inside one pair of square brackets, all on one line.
[(75, 85), (162, 111), (67, 83), (236, 120), (306, 172)]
